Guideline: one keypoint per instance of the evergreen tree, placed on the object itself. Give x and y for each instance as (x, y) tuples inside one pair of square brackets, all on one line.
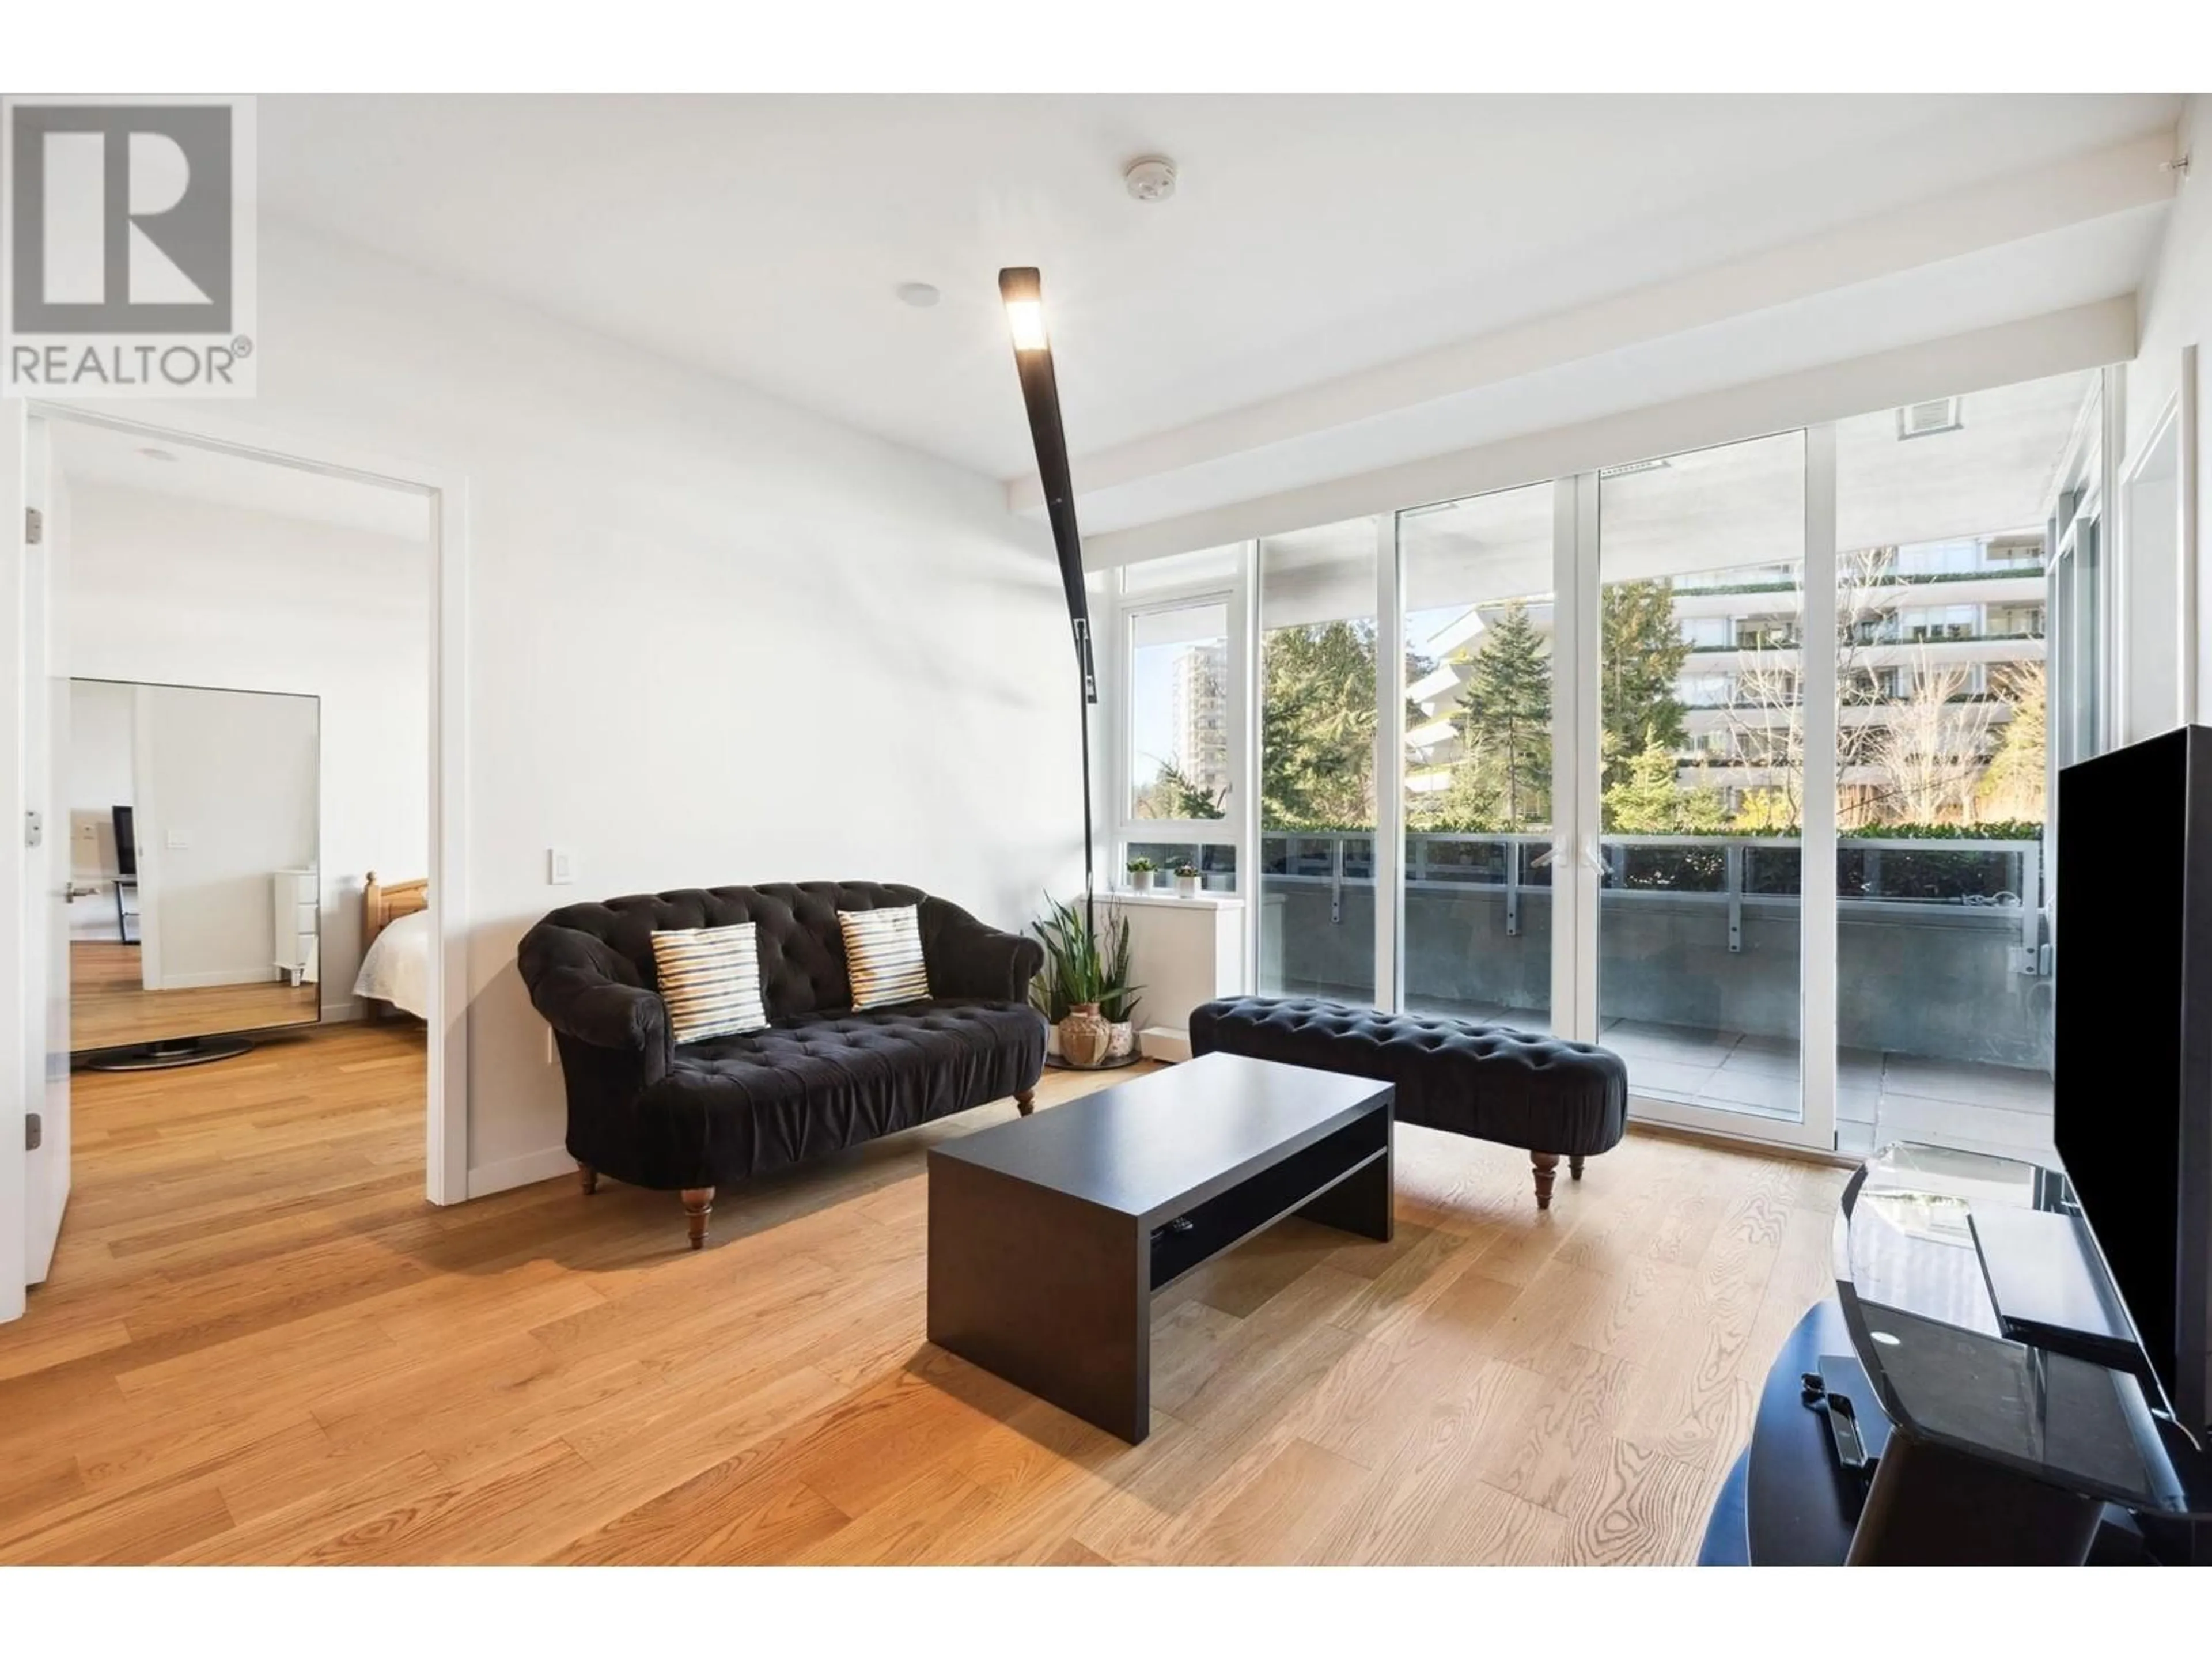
[(1317, 726), (1643, 652), (1647, 800), (1182, 797), (1505, 721)]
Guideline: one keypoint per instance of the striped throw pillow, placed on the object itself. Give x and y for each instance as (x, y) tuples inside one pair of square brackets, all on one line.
[(710, 980), (882, 955)]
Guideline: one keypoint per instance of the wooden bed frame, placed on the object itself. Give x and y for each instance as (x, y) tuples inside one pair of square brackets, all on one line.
[(383, 904)]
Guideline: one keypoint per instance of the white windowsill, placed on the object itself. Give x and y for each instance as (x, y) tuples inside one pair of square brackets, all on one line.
[(1203, 902)]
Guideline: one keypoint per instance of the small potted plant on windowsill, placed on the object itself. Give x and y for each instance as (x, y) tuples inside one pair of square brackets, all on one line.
[(1140, 875), (1188, 881)]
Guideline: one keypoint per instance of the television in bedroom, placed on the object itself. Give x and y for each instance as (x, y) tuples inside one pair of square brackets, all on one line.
[(2132, 1076)]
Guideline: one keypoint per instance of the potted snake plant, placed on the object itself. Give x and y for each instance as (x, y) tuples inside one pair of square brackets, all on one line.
[(1083, 992)]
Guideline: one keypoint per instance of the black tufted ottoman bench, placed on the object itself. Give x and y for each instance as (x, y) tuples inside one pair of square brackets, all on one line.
[(1557, 1099)]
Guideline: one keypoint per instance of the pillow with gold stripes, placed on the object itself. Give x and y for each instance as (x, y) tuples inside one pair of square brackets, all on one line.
[(882, 955), (710, 980)]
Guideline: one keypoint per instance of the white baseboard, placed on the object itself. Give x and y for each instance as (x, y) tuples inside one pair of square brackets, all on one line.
[(531, 1167), (1164, 1043), (220, 976)]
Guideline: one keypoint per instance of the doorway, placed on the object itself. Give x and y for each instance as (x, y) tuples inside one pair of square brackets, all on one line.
[(213, 605)]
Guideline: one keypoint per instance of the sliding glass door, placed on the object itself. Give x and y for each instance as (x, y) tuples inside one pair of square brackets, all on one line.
[(1701, 775), (1733, 759), (1475, 581)]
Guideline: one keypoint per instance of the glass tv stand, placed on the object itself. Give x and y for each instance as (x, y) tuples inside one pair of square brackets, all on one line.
[(1923, 1416)]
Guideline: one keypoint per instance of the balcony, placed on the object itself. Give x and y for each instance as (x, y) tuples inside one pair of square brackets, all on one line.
[(1944, 1033), (1879, 580)]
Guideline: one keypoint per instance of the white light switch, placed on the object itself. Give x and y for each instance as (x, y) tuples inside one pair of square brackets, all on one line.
[(560, 867), (181, 840)]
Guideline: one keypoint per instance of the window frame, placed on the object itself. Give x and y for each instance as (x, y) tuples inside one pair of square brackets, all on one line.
[(1124, 829)]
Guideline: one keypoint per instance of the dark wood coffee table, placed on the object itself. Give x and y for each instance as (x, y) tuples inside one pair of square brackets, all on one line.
[(1048, 1237)]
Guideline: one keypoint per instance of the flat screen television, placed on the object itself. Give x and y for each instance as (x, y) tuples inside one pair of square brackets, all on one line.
[(2132, 1073)]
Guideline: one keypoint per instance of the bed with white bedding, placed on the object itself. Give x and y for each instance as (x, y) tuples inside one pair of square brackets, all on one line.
[(395, 958)]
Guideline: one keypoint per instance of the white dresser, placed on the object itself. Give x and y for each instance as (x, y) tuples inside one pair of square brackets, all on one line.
[(295, 902)]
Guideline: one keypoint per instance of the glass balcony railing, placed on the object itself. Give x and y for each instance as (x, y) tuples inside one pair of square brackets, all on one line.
[(1937, 940)]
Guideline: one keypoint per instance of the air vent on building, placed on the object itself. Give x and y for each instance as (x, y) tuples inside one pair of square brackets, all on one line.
[(1628, 468), (1925, 420)]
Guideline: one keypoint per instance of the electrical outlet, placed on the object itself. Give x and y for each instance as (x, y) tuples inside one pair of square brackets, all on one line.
[(560, 867)]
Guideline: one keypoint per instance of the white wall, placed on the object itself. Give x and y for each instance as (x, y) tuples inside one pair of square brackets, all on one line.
[(712, 638), (190, 593), (2176, 312), (226, 794)]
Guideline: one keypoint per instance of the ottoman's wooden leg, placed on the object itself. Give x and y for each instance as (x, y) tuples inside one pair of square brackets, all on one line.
[(1575, 1166), (1547, 1166), (588, 1178), (698, 1205), (1025, 1101)]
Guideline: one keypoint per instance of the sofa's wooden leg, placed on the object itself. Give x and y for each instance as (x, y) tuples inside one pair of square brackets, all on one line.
[(1025, 1101), (588, 1178), (1546, 1165), (698, 1205), (1575, 1166)]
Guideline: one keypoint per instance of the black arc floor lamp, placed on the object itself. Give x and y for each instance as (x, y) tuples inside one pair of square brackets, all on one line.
[(1022, 290)]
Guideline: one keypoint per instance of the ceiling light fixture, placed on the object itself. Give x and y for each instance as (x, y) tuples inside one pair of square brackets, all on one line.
[(920, 296), (1149, 178), (1021, 290), (153, 454)]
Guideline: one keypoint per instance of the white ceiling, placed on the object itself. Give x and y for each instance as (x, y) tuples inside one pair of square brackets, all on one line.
[(1311, 237), (89, 454)]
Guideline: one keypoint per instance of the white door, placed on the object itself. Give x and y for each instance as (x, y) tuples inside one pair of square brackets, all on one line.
[(14, 868), (47, 867)]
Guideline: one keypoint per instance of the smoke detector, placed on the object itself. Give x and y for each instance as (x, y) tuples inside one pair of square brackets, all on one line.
[(1149, 178)]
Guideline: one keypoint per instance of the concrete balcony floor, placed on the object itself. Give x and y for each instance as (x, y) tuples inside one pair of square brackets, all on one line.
[(1880, 1098)]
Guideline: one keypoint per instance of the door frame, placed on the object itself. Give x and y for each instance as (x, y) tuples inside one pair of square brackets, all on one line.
[(1577, 924), (446, 1097), (16, 909)]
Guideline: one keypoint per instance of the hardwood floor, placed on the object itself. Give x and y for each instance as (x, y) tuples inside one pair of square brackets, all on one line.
[(111, 1008), (261, 1344)]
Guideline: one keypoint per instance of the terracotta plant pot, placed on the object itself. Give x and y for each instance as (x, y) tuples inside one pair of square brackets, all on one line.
[(1085, 1035)]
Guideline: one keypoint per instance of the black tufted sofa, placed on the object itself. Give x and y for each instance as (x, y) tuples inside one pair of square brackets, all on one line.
[(690, 1118), (1554, 1098)]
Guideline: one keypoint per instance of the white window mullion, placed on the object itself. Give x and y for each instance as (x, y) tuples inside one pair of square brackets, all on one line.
[(1389, 764), (1817, 932), (1244, 755), (1576, 815)]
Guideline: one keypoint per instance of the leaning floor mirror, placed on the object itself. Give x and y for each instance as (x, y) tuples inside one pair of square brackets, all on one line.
[(195, 896)]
